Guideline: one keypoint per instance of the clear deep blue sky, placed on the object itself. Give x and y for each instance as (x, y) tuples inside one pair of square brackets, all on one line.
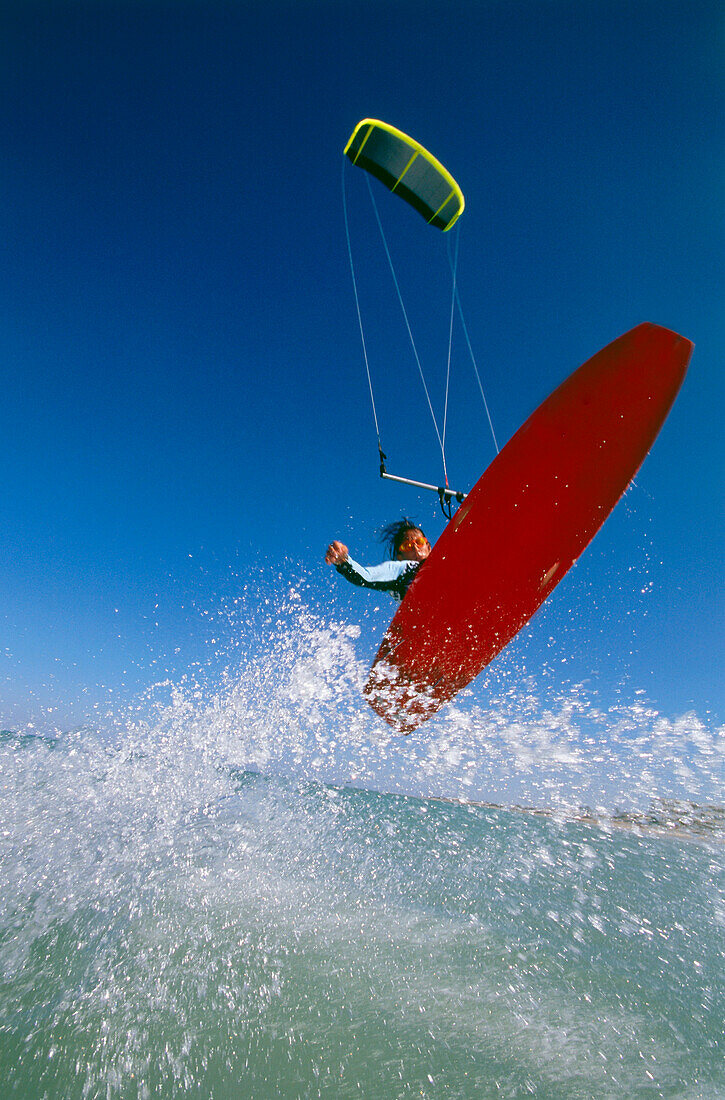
[(183, 392)]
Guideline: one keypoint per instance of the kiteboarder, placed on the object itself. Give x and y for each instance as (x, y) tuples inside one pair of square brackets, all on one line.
[(408, 547)]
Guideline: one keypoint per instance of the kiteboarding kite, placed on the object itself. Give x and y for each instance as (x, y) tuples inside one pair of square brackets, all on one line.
[(413, 174), (408, 170)]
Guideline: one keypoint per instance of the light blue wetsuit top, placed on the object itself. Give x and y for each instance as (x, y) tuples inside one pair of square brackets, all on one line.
[(394, 577)]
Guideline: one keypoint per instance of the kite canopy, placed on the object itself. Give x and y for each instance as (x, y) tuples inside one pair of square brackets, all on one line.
[(407, 169)]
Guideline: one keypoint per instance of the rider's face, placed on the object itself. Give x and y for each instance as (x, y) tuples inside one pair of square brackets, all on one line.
[(414, 547)]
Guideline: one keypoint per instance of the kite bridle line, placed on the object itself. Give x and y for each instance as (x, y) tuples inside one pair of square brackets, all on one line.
[(446, 495), (359, 319), (410, 331), (454, 264)]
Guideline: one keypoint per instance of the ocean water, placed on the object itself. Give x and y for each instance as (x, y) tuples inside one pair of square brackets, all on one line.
[(247, 887)]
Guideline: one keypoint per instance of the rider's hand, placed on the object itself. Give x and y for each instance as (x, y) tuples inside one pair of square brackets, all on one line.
[(336, 552)]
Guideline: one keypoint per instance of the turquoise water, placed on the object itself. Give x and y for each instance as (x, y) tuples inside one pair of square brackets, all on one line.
[(174, 924), (278, 939)]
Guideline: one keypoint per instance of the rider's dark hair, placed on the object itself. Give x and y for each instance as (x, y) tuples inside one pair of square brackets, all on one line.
[(394, 534)]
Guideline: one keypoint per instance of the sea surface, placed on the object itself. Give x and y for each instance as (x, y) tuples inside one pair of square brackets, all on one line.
[(250, 888)]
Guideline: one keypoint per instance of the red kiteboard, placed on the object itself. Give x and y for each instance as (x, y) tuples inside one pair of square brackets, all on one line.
[(525, 523)]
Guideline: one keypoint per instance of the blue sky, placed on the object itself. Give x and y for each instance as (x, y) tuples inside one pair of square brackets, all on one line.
[(184, 402)]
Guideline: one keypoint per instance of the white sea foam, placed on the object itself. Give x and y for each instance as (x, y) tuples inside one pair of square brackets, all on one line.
[(171, 923)]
